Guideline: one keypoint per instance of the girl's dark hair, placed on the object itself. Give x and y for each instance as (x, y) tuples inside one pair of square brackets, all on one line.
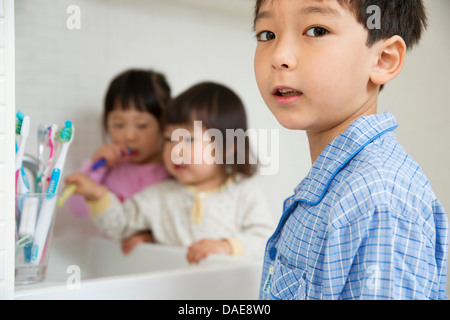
[(145, 90), (218, 107), (406, 18)]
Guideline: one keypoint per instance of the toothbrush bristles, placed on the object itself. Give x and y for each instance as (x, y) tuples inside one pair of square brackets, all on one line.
[(18, 127), (66, 133), (19, 115)]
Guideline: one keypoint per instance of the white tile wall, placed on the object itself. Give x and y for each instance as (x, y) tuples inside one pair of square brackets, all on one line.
[(2, 119), (2, 205), (2, 276), (3, 181), (2, 236), (2, 34), (7, 110), (3, 135), (2, 91), (2, 270), (2, 147), (2, 62)]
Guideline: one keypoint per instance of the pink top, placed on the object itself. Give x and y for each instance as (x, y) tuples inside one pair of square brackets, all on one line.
[(124, 180)]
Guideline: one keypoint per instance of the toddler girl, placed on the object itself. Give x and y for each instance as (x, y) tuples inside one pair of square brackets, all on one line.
[(212, 205), (133, 109)]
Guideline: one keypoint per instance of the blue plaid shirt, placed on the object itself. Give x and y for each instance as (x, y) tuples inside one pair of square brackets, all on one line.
[(364, 224)]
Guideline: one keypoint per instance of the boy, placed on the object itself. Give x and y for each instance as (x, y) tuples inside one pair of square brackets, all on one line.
[(364, 223)]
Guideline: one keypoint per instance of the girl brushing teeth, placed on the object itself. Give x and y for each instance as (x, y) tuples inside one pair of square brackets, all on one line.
[(132, 159)]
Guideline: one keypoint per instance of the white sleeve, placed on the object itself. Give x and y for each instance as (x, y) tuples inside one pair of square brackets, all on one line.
[(121, 220)]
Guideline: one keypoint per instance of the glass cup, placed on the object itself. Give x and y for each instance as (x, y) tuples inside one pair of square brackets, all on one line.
[(35, 214)]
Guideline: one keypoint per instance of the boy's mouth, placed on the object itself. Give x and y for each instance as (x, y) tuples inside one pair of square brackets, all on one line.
[(285, 96), (286, 92)]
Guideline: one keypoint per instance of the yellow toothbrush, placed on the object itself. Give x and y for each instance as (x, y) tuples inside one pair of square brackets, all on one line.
[(70, 190)]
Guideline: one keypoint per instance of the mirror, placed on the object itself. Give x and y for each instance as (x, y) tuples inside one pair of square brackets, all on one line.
[(63, 67)]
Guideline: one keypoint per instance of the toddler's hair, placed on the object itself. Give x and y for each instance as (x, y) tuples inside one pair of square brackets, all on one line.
[(218, 107), (406, 18), (145, 90)]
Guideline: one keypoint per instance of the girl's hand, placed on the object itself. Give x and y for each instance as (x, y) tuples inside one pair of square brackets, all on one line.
[(203, 248), (130, 243), (91, 190), (112, 153)]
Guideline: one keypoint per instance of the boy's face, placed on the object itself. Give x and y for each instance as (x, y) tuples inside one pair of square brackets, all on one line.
[(312, 64)]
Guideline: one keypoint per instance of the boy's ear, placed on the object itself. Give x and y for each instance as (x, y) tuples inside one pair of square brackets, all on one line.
[(390, 60)]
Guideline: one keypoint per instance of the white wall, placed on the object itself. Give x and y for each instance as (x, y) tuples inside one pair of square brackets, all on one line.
[(62, 74)]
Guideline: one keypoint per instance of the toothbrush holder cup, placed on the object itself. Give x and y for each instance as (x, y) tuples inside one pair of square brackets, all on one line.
[(35, 214)]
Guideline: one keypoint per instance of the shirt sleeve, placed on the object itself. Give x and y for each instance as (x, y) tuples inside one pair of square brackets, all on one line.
[(120, 220), (441, 249), (381, 255)]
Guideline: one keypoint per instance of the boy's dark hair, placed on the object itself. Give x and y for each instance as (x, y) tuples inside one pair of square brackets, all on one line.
[(405, 18), (145, 90), (218, 107)]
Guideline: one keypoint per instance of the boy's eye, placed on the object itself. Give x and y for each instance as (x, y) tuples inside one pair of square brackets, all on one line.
[(316, 32), (265, 36)]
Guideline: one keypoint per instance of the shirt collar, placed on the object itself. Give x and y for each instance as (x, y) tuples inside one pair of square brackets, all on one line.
[(339, 152)]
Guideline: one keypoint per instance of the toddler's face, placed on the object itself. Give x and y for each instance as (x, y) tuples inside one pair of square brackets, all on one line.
[(312, 64), (191, 157), (138, 131)]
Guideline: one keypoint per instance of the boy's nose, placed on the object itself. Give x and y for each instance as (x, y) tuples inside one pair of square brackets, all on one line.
[(283, 56)]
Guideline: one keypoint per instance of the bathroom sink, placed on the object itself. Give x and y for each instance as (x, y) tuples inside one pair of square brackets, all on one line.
[(95, 268)]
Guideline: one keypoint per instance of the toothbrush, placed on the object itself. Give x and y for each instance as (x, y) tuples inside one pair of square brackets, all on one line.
[(22, 182), (28, 217), (42, 135), (27, 225), (48, 206), (102, 162), (70, 190), (52, 133), (22, 129), (23, 186)]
